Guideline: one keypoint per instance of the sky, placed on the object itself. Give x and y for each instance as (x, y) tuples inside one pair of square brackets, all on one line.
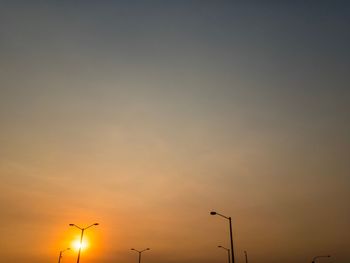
[(144, 116)]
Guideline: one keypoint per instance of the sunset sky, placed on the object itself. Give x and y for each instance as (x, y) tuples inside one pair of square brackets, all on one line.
[(144, 116)]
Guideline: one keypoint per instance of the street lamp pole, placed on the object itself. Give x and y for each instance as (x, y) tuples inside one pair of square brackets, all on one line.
[(246, 256), (230, 222), (228, 253), (140, 251), (61, 252), (81, 237), (314, 259)]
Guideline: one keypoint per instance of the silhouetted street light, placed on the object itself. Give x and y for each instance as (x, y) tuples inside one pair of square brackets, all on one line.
[(81, 237), (228, 253), (140, 252), (246, 256), (230, 223), (61, 252), (314, 259)]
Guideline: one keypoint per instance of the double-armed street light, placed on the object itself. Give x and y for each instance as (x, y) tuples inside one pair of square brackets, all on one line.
[(140, 251), (230, 223), (61, 252), (81, 237), (228, 252), (314, 259)]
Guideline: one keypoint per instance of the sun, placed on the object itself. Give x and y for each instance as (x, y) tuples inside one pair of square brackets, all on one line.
[(76, 245)]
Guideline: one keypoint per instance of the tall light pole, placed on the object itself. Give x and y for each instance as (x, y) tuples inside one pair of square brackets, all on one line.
[(246, 256), (230, 223), (228, 252), (314, 259), (81, 237), (140, 251), (61, 252)]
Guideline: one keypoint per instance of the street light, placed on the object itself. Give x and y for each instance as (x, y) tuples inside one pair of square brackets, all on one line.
[(61, 252), (81, 237), (140, 251), (246, 256), (229, 219), (228, 252), (314, 259)]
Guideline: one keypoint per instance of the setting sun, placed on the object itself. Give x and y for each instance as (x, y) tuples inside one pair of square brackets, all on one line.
[(76, 245)]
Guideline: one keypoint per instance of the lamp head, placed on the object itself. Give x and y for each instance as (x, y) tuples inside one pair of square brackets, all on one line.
[(96, 224), (219, 246), (213, 213), (71, 224), (148, 248), (132, 249)]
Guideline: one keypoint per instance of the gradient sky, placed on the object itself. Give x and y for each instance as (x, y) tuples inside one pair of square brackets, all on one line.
[(146, 115)]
